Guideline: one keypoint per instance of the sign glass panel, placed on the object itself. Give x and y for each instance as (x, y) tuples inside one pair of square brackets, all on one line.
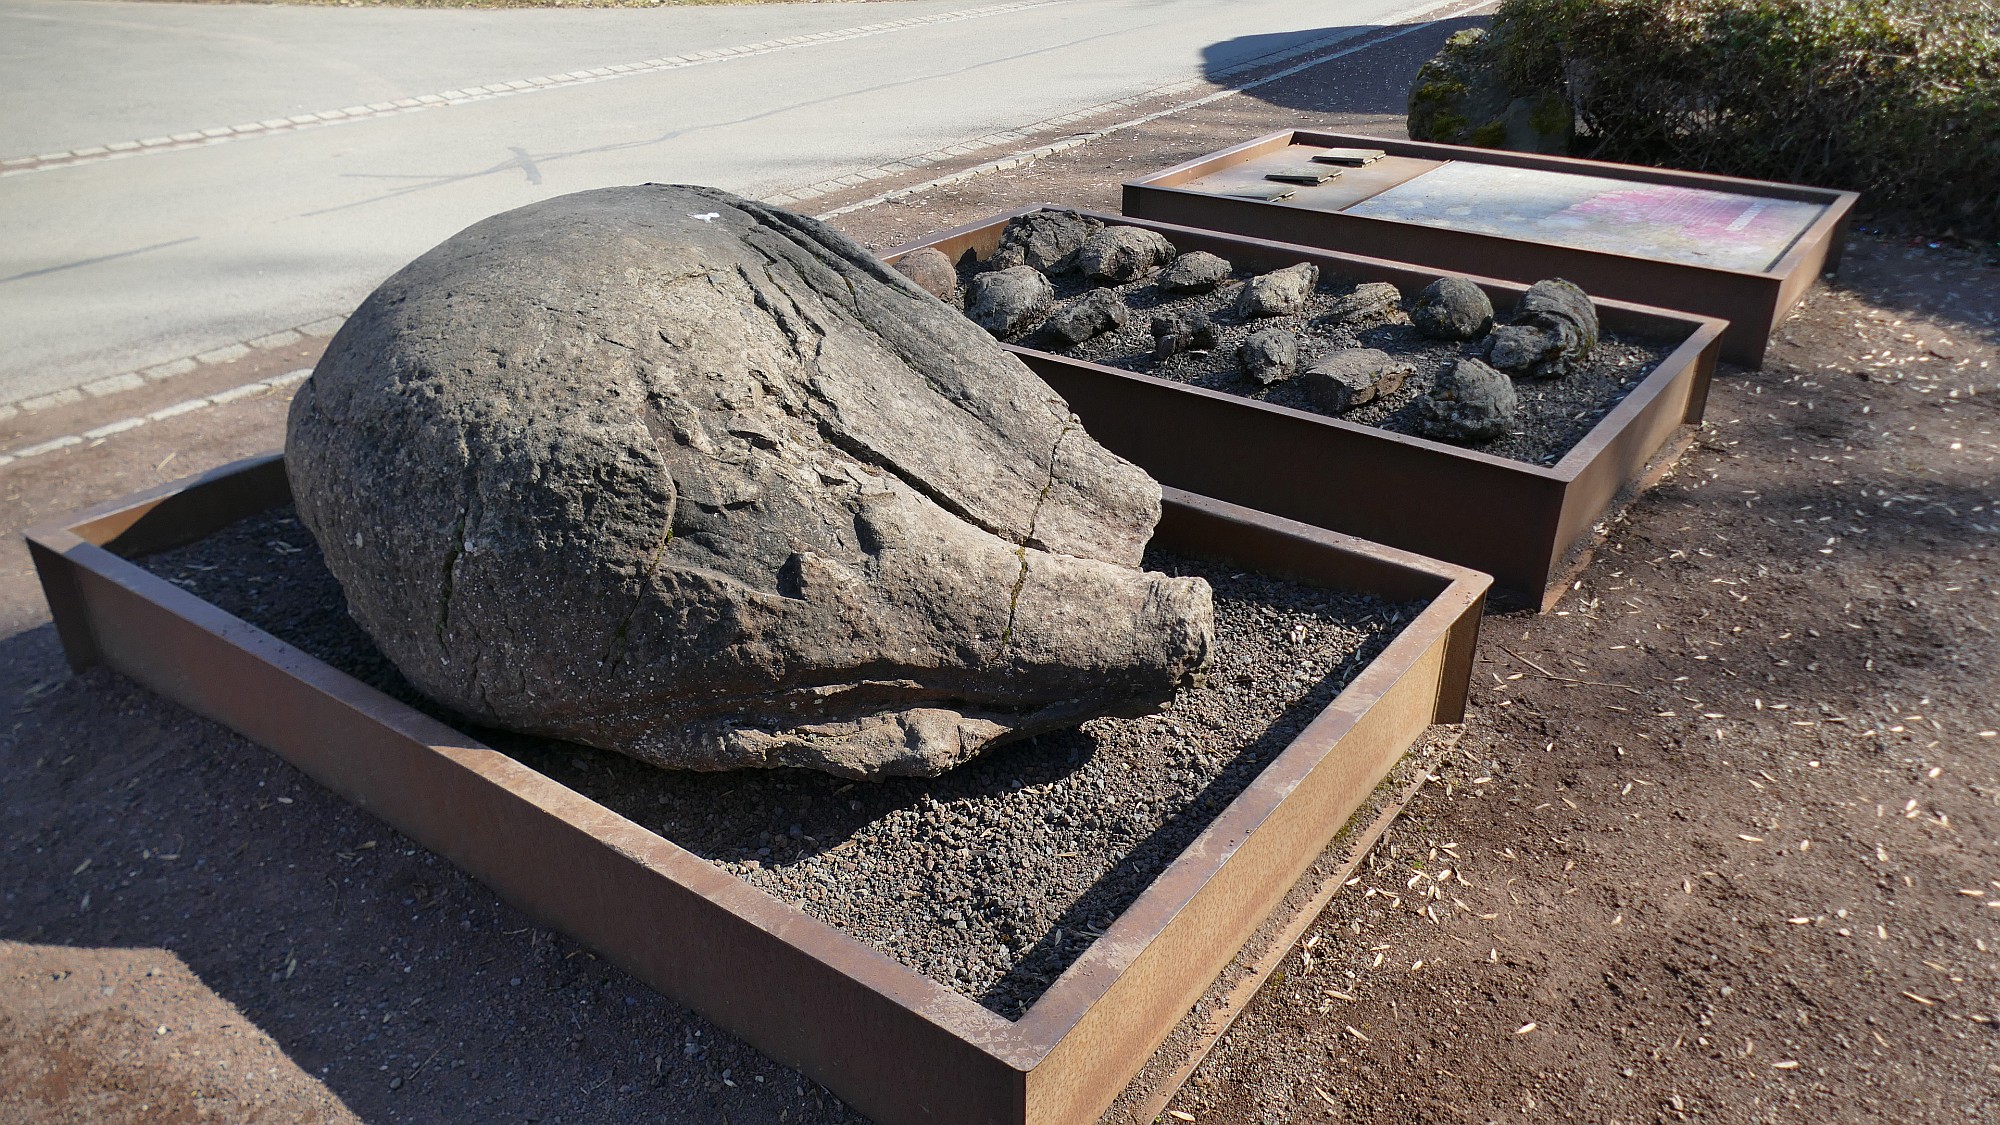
[(1694, 226)]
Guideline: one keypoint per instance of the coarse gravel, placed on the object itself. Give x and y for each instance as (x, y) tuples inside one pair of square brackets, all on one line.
[(990, 879), (1555, 413)]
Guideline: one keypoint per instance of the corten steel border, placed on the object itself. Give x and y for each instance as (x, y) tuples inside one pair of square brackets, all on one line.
[(896, 1045), (1524, 524), (1752, 302)]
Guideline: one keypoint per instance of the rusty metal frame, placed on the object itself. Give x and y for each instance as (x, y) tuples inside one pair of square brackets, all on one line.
[(1753, 302), (1226, 1000), (1527, 525), (893, 1043)]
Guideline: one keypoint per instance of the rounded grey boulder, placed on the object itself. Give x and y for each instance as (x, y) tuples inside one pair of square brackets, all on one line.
[(684, 476), (1116, 255), (1471, 402), (1452, 308), (932, 271), (1005, 301), (1269, 355), (1196, 271)]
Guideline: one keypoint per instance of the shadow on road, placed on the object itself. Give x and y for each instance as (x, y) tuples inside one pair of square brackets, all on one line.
[(1371, 82)]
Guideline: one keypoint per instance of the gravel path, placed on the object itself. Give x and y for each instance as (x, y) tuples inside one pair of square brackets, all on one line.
[(990, 879)]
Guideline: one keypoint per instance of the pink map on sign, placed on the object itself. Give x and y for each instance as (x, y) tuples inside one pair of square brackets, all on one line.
[(1699, 214), (1718, 229)]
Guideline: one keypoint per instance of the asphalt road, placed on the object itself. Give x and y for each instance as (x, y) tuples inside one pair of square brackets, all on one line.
[(145, 252)]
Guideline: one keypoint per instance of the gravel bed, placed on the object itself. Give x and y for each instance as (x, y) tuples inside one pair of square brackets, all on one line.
[(991, 879), (1555, 413)]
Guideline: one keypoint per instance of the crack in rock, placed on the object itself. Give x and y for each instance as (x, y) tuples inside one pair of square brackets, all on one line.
[(779, 517)]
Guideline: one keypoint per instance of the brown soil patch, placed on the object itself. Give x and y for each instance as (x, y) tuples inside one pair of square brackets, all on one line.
[(1719, 841)]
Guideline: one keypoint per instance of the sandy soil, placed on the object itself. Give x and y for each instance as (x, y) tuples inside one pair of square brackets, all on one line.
[(1722, 827)]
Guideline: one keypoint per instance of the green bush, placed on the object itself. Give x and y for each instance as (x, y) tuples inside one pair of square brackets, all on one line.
[(1459, 99), (1898, 99)]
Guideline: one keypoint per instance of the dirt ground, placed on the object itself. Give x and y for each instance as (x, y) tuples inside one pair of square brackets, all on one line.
[(1721, 832), (1721, 840)]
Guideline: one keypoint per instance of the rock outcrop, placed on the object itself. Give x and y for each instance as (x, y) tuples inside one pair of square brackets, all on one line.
[(1047, 240), (1553, 331), (1006, 301), (1471, 403), (684, 476), (1278, 293)]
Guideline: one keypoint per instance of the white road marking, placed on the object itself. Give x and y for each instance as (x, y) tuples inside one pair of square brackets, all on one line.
[(223, 134), (133, 380), (1419, 21)]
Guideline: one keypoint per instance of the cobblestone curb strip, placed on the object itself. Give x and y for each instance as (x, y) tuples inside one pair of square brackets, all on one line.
[(133, 380), (186, 406)]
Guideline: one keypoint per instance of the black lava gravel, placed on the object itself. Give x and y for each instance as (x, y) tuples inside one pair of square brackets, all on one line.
[(1555, 413), (991, 879)]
